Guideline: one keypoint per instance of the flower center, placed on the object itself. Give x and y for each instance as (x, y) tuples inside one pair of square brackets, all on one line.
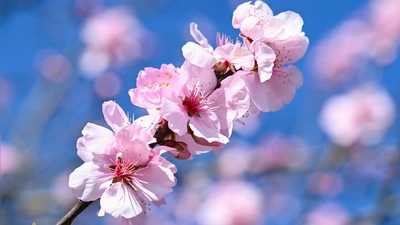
[(123, 170), (196, 102)]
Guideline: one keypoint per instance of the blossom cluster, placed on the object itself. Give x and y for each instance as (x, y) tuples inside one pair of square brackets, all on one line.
[(191, 110)]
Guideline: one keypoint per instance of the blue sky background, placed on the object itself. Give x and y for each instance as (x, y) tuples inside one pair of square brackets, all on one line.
[(29, 26)]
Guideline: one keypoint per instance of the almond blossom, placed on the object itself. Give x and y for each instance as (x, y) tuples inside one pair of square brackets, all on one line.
[(191, 110), (120, 168), (195, 107), (275, 41), (226, 54)]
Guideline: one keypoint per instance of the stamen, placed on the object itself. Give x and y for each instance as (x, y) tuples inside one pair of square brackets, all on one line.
[(197, 103), (280, 76)]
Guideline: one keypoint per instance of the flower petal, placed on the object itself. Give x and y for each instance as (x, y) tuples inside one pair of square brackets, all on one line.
[(199, 37), (273, 93), (198, 56), (291, 49), (114, 115), (84, 153), (98, 139), (175, 115), (134, 150), (265, 57), (203, 128), (154, 181), (88, 182), (120, 200)]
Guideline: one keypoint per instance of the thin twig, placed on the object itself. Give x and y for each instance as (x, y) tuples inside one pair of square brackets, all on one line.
[(74, 212)]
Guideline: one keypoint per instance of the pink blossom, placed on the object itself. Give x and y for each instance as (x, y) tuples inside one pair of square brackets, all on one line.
[(121, 169), (251, 18), (275, 42), (226, 54), (362, 115), (154, 84), (195, 110), (257, 21), (202, 109)]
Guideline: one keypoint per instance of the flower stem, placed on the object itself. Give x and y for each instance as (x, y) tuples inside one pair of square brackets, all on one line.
[(74, 212)]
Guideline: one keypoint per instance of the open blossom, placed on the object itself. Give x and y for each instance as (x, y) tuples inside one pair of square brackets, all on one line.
[(120, 168), (275, 42), (196, 106), (191, 110), (360, 116), (188, 99), (256, 21), (270, 43), (225, 55)]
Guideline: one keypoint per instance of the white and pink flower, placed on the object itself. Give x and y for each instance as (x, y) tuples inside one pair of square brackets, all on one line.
[(225, 55), (275, 42), (360, 116), (120, 168)]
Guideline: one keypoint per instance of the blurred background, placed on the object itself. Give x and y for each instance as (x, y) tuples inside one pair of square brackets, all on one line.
[(330, 157)]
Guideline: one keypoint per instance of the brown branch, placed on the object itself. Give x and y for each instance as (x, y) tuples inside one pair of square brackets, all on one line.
[(74, 212)]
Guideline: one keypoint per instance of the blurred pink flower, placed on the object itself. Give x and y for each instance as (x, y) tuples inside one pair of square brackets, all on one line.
[(9, 159), (328, 214), (53, 66), (362, 115), (60, 191), (112, 37), (241, 155), (325, 183), (107, 85), (339, 55), (231, 203), (279, 152)]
